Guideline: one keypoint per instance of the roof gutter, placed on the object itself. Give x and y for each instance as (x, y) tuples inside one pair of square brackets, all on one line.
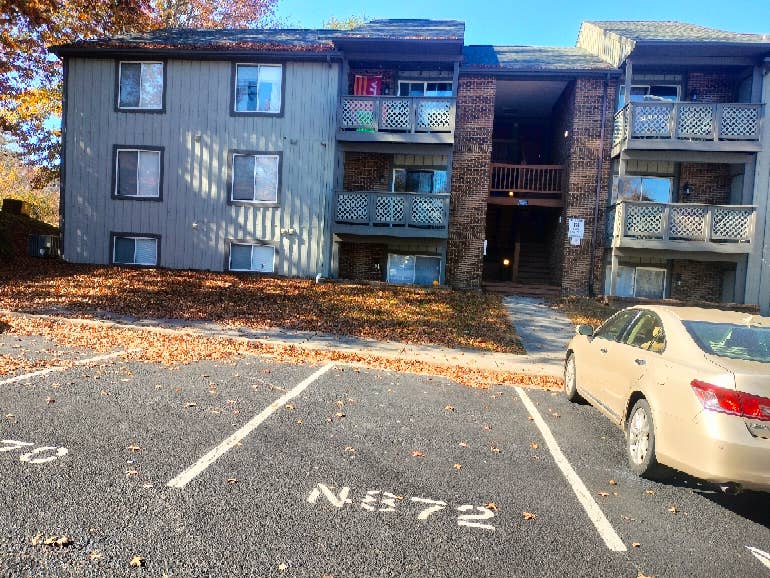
[(193, 54), (508, 73)]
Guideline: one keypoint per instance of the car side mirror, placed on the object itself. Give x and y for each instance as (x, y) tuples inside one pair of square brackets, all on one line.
[(586, 330)]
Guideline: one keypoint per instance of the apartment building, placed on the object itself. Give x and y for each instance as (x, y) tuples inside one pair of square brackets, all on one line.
[(393, 152)]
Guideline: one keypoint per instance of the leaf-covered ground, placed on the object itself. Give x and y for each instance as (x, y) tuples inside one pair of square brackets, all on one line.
[(376, 311), (174, 347)]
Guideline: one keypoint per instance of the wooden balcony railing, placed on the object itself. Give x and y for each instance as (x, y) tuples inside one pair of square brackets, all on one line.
[(681, 226), (686, 122), (405, 114), (526, 184), (391, 214)]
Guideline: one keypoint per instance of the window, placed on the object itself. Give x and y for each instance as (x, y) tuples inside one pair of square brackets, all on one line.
[(138, 172), (255, 177), (749, 342), (419, 181), (422, 88), (130, 250), (651, 189), (649, 92), (647, 333), (140, 86), (258, 88), (252, 257), (414, 269), (645, 282), (615, 326)]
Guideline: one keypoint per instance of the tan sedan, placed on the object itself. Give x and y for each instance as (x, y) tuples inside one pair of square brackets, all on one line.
[(690, 387)]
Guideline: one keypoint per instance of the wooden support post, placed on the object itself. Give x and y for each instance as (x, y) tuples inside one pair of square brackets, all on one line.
[(516, 254)]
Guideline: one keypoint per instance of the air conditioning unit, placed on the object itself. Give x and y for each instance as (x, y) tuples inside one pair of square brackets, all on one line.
[(43, 246)]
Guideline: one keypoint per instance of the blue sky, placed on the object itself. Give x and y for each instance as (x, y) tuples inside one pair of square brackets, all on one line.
[(535, 22)]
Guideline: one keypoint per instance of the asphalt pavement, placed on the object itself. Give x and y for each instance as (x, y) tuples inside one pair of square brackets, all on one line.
[(255, 468)]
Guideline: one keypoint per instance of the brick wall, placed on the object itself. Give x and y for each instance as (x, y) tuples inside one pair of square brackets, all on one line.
[(710, 183), (711, 87), (363, 261), (563, 112), (367, 171), (584, 144), (697, 280), (470, 180)]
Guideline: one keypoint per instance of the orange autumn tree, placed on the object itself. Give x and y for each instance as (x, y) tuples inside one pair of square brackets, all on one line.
[(31, 78)]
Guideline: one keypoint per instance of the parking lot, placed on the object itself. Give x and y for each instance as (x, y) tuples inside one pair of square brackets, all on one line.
[(254, 468)]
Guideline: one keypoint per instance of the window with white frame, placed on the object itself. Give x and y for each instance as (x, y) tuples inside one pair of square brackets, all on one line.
[(646, 282), (137, 173), (651, 189), (258, 88), (252, 257), (424, 88), (419, 181), (649, 92), (255, 177), (140, 85), (135, 250), (414, 269)]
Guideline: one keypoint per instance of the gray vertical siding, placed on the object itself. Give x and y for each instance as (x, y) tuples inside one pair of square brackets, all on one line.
[(195, 169)]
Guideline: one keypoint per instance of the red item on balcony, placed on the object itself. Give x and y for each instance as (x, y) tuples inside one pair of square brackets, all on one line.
[(367, 85)]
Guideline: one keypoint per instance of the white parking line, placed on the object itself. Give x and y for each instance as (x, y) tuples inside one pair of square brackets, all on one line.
[(48, 370), (595, 514), (181, 480)]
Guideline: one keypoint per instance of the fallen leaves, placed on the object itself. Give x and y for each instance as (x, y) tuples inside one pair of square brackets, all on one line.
[(449, 408), (534, 445), (457, 466), (232, 481), (495, 449), (169, 347), (58, 541), (137, 562), (282, 567), (134, 448), (417, 454), (672, 509), (528, 515), (491, 506)]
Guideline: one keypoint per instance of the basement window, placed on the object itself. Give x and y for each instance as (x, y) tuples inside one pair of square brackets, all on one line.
[(414, 269), (644, 282), (252, 257), (135, 250)]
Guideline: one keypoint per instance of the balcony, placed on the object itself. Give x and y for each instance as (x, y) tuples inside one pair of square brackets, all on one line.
[(409, 119), (681, 227), (537, 185), (691, 126), (391, 214)]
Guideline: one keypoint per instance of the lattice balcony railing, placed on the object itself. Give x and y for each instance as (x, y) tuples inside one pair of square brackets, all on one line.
[(388, 209), (681, 222), (691, 121), (397, 114)]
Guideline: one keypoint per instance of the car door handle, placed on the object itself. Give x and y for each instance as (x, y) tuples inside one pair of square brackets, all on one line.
[(603, 350), (640, 361)]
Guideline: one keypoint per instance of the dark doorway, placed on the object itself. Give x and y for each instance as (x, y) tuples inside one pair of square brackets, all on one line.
[(520, 242)]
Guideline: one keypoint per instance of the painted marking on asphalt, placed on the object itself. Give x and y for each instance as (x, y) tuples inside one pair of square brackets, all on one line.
[(181, 480), (763, 557), (595, 514), (58, 368), (30, 457)]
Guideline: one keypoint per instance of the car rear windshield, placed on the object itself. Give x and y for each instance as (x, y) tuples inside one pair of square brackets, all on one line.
[(729, 340)]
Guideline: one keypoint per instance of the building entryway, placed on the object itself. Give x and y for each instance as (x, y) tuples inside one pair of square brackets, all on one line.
[(520, 244)]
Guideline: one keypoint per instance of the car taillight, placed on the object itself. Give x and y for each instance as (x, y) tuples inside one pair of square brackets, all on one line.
[(730, 401)]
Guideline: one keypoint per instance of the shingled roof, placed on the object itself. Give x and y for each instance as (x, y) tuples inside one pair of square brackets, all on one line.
[(643, 31), (272, 40), (532, 59)]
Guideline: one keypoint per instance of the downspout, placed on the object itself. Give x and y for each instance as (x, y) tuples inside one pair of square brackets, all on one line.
[(599, 168)]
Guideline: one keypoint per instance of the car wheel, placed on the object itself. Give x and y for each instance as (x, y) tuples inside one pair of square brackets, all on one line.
[(570, 379), (640, 440)]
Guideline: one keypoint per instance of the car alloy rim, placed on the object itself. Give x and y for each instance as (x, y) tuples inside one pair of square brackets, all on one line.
[(639, 436)]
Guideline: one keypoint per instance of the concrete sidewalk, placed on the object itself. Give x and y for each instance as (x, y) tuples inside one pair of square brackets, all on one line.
[(544, 331), (544, 361)]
